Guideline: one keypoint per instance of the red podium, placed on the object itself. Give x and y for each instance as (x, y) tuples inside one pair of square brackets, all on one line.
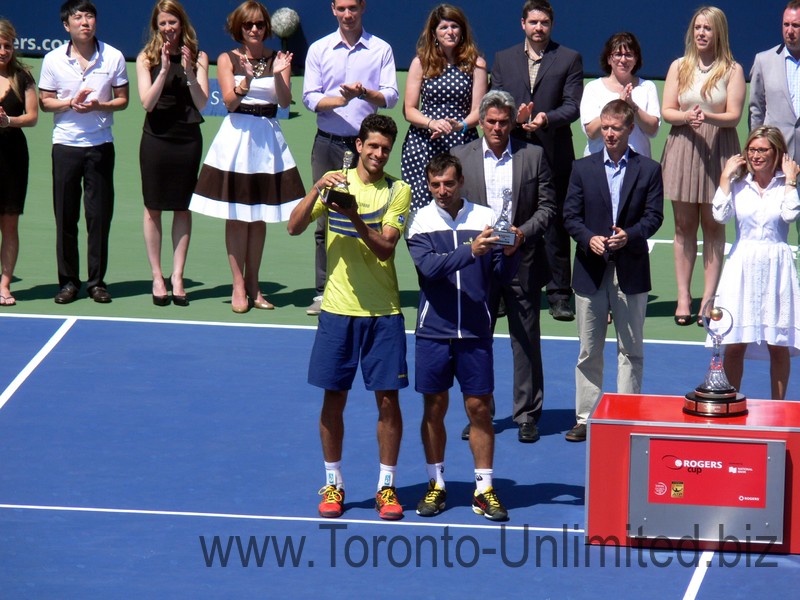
[(659, 477)]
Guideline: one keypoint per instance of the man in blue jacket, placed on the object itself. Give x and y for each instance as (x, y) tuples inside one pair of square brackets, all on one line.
[(615, 203), (455, 251)]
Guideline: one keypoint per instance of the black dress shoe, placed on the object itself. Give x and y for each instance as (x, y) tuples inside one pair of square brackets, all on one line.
[(528, 433), (465, 433), (577, 433), (180, 300), (99, 294), (561, 311), (66, 294), (161, 300)]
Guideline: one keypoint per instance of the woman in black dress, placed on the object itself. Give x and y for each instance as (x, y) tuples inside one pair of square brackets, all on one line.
[(18, 108), (173, 87)]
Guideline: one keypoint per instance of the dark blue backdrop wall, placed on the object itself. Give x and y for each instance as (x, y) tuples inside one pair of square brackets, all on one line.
[(582, 25)]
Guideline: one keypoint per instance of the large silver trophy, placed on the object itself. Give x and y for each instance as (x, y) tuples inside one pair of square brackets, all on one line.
[(715, 397), (340, 193), (502, 228)]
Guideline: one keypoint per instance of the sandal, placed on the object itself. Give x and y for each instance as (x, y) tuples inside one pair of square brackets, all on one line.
[(8, 301), (683, 320)]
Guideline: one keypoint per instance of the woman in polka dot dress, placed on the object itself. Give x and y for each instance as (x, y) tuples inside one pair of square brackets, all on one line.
[(448, 76)]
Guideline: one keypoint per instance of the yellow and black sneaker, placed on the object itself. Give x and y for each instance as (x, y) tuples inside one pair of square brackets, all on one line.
[(488, 505)]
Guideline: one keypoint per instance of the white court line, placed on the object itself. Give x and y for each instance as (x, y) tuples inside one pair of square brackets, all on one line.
[(210, 515), (699, 574), (563, 338), (36, 360)]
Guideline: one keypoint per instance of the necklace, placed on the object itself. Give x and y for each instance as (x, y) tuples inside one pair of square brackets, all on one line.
[(707, 69), (259, 64)]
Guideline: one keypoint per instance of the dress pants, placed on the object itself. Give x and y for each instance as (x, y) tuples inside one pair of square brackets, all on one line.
[(591, 311), (326, 155), (90, 167), (557, 245), (522, 312)]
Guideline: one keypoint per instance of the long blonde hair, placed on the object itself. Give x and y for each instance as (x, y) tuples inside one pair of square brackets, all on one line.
[(15, 67), (432, 57), (723, 58), (152, 49)]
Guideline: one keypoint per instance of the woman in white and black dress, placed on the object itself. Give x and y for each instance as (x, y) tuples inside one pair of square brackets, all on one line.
[(759, 285), (249, 177), (173, 87)]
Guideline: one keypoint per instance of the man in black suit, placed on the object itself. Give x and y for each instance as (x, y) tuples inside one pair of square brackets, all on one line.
[(546, 81), (614, 204), (492, 164)]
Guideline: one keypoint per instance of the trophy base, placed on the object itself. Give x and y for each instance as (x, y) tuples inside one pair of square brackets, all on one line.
[(705, 403), (505, 238), (340, 198)]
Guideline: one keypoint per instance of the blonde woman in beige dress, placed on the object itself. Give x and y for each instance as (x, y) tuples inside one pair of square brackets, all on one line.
[(703, 99)]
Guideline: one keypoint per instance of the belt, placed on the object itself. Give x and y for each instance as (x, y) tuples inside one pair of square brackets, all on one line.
[(258, 110), (349, 140)]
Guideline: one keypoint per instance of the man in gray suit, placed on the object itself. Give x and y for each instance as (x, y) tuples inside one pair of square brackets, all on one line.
[(775, 83), (492, 164)]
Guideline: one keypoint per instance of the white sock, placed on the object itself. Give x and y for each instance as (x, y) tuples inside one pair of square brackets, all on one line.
[(333, 474), (386, 478), (483, 479), (436, 472)]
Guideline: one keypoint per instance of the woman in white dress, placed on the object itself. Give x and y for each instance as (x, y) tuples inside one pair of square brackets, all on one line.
[(249, 176), (759, 285), (621, 59)]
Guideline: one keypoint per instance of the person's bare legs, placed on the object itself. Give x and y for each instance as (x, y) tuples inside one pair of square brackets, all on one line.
[(687, 218), (733, 363), (152, 244), (390, 426), (256, 236), (481, 431), (779, 368), (331, 424), (9, 251), (236, 242), (181, 233), (713, 252), (432, 429)]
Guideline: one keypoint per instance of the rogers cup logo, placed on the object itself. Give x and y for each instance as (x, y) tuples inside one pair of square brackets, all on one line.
[(660, 488), (691, 465)]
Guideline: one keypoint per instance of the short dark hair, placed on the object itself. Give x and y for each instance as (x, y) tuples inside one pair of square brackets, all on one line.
[(440, 163), (793, 5), (237, 18), (376, 123), (70, 7), (619, 108), (540, 5), (619, 41)]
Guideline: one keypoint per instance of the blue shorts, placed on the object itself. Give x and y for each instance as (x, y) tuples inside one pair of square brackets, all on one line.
[(469, 360), (378, 342)]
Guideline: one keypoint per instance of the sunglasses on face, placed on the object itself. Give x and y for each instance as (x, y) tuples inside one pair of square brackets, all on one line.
[(248, 25)]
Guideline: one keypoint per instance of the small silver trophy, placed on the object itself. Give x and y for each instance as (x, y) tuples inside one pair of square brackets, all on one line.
[(502, 228), (340, 193), (715, 397)]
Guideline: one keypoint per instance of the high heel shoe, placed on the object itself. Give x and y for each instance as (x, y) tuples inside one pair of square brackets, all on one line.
[(180, 300), (162, 300), (263, 304)]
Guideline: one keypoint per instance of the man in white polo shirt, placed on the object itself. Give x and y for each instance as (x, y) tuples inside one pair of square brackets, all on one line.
[(82, 83)]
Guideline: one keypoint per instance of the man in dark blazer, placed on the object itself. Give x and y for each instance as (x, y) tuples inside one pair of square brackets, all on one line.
[(546, 81), (492, 164), (614, 204)]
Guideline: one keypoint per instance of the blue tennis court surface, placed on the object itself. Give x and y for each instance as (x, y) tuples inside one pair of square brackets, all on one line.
[(179, 460)]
